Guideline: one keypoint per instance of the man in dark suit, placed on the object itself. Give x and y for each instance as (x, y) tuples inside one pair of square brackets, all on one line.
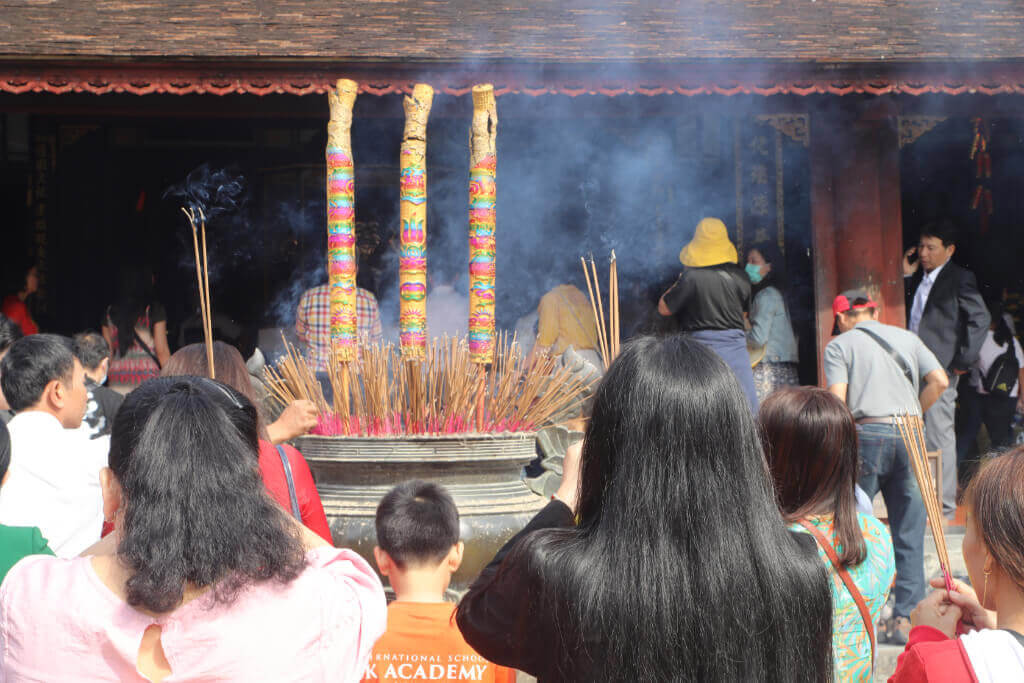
[(945, 309)]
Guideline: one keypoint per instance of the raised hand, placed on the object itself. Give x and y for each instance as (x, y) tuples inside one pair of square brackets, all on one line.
[(974, 615), (910, 267), (297, 419)]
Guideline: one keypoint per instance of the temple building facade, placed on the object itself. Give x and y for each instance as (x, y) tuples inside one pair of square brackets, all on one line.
[(832, 128)]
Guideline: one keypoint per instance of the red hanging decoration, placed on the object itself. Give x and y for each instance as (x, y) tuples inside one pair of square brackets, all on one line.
[(981, 198)]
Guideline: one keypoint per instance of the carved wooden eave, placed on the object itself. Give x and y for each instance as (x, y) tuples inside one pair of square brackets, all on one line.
[(255, 78)]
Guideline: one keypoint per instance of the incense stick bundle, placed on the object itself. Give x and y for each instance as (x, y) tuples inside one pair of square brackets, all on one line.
[(911, 429), (203, 281), (608, 330), (384, 394)]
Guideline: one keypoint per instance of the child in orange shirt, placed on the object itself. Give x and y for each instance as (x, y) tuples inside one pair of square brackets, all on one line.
[(418, 549)]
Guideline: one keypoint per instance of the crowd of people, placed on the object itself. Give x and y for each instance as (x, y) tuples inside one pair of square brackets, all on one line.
[(711, 525)]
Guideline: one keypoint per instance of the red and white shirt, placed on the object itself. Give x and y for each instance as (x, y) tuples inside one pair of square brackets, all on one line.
[(985, 656)]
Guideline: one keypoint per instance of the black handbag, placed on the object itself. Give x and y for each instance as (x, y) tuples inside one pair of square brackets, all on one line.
[(296, 513)]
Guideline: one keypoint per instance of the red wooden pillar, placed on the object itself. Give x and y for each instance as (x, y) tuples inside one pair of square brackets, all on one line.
[(855, 213)]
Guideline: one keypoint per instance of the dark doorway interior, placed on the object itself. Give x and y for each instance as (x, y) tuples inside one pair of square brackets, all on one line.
[(576, 176), (939, 181)]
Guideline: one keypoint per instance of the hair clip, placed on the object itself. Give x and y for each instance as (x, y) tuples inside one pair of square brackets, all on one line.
[(224, 390)]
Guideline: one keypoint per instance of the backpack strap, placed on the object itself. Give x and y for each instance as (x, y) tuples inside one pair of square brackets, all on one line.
[(855, 593), (296, 513)]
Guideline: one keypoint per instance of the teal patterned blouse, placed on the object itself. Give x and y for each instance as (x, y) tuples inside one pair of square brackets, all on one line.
[(851, 647)]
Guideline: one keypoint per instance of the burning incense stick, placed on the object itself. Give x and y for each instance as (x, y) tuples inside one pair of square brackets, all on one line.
[(341, 227), (613, 305), (483, 153), (203, 282), (412, 264), (598, 320), (341, 241), (911, 429), (208, 318)]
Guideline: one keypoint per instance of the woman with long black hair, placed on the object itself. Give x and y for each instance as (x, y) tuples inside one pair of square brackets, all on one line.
[(205, 576), (679, 566)]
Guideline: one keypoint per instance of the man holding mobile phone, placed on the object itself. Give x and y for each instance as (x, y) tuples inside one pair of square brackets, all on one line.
[(944, 309)]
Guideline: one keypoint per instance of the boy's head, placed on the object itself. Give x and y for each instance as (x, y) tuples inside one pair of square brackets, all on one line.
[(93, 352), (417, 530), (40, 372)]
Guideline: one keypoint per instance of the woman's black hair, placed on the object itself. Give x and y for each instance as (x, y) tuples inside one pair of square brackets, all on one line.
[(5, 450), (680, 567), (10, 332), (134, 295), (776, 277), (1001, 332), (195, 511)]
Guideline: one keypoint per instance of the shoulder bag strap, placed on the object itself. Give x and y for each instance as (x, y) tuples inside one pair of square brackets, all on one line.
[(296, 513), (900, 360), (1016, 636), (865, 613), (145, 347)]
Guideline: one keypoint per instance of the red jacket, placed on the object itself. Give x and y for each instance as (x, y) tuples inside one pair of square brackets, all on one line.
[(15, 309), (933, 657), (305, 490)]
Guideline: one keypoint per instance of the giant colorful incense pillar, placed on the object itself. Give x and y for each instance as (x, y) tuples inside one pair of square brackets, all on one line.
[(412, 206), (341, 222), (483, 156)]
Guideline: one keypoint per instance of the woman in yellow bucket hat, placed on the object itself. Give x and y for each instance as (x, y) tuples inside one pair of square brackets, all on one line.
[(711, 298)]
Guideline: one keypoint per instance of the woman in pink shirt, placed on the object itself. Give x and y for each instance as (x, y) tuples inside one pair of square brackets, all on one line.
[(204, 578)]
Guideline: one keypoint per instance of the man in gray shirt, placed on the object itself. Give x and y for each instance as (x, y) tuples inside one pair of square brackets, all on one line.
[(878, 370)]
